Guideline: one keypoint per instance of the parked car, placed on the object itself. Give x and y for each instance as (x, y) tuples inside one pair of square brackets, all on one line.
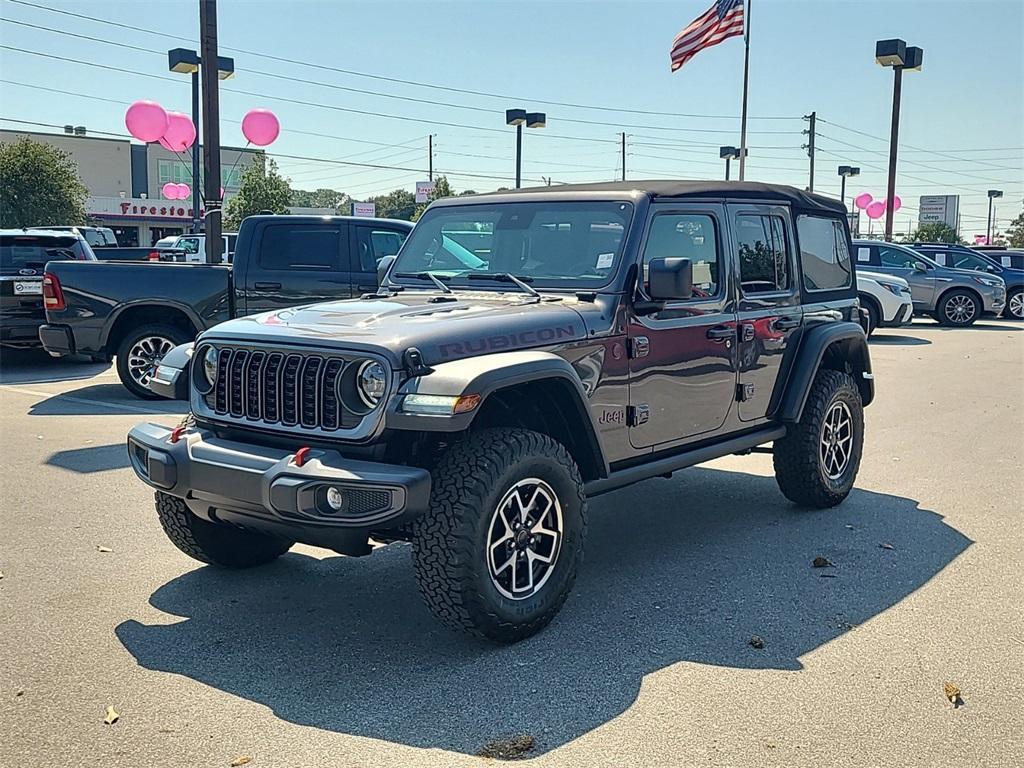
[(886, 298), (1005, 257), (954, 297), (136, 312), (594, 336), (194, 247), (23, 255), (962, 257), (96, 237)]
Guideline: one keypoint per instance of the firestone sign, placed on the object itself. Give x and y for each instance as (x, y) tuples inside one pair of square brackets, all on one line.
[(138, 208)]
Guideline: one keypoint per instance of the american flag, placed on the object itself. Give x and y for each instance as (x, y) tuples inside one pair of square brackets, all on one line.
[(722, 20)]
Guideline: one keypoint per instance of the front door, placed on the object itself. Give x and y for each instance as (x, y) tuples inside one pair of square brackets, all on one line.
[(682, 380), (297, 263), (919, 273), (769, 309)]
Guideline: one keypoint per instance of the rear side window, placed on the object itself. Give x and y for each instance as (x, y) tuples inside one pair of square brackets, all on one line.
[(762, 251), (824, 256), (32, 252), (298, 246)]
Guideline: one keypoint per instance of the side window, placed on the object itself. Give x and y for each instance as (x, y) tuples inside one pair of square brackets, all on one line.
[(761, 243), (824, 257), (894, 257), (691, 236), (299, 246), (189, 244), (375, 244)]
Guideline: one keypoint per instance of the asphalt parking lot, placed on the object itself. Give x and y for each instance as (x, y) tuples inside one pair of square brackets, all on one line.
[(323, 660)]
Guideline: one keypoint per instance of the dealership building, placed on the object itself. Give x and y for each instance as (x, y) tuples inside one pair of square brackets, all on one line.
[(125, 179)]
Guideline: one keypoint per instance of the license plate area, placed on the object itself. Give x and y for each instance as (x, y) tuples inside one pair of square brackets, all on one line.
[(28, 287)]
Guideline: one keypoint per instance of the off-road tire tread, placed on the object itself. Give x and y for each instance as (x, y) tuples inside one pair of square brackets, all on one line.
[(443, 549), (213, 543), (795, 457)]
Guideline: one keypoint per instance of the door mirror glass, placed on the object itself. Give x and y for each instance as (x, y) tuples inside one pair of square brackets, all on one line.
[(670, 278), (382, 268)]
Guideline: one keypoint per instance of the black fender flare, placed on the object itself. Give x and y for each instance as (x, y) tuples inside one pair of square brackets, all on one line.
[(814, 344), (486, 374), (114, 316)]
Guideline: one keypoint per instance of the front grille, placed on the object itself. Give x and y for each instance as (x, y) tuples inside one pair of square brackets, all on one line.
[(279, 388)]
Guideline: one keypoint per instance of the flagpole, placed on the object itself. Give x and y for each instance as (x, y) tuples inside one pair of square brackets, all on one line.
[(746, 74)]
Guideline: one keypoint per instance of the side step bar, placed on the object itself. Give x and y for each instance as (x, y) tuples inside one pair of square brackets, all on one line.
[(670, 464)]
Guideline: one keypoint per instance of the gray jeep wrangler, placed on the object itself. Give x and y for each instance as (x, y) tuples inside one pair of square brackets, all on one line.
[(526, 351)]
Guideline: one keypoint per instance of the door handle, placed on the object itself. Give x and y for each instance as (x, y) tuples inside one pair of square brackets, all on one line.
[(268, 286), (721, 333), (786, 323)]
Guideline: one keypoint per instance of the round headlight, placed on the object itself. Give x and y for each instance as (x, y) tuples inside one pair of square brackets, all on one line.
[(371, 383), (208, 369)]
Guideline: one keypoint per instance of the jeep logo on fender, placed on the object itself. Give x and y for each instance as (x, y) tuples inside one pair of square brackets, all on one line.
[(505, 341)]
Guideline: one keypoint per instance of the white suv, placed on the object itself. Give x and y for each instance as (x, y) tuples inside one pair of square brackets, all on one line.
[(886, 299)]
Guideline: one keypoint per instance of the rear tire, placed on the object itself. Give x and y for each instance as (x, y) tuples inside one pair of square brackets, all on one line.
[(959, 308), (141, 351), (497, 554), (816, 463), (214, 543)]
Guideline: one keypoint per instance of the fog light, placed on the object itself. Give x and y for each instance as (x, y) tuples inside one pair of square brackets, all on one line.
[(335, 499)]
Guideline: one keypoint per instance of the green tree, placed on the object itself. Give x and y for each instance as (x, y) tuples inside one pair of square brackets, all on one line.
[(936, 232), (398, 204), (1015, 233), (319, 198), (441, 189), (263, 189), (39, 185)]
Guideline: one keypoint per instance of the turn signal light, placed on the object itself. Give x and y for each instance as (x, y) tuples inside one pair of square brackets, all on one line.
[(53, 296)]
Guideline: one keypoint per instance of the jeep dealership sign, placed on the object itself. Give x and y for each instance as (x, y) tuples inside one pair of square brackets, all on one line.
[(938, 208)]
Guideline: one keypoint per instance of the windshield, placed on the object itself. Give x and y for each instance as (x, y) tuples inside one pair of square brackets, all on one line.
[(32, 251), (555, 245)]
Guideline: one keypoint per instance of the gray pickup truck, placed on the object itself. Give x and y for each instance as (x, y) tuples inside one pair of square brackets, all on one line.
[(526, 351)]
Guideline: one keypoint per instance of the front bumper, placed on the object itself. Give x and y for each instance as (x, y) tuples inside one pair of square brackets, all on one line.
[(902, 317), (994, 300), (262, 488)]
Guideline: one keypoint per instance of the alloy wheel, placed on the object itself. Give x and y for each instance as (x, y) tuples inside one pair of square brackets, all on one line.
[(836, 442), (1016, 305), (524, 538), (145, 355), (960, 309)]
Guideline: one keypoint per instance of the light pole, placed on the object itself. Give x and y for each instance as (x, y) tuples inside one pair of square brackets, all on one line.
[(727, 154), (845, 172), (518, 118), (186, 62), (992, 195), (898, 55)]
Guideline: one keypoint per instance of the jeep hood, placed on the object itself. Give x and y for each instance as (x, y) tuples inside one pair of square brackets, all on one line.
[(474, 323)]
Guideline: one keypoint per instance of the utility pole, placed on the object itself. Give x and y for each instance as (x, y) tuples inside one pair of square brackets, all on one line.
[(430, 156), (812, 120), (623, 155), (211, 129), (197, 222)]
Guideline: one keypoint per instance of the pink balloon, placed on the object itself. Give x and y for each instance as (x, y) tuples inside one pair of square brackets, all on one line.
[(863, 200), (184, 190), (876, 210), (180, 133), (896, 203), (260, 126), (222, 193), (146, 120), (170, 190)]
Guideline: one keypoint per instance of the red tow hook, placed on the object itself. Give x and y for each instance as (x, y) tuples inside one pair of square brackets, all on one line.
[(177, 432), (301, 456)]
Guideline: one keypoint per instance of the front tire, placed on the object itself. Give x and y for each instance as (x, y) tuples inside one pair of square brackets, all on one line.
[(959, 308), (1014, 309), (497, 553), (816, 463), (213, 543), (141, 351)]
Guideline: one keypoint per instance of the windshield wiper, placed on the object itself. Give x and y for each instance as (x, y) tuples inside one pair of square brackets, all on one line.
[(435, 279), (505, 277)]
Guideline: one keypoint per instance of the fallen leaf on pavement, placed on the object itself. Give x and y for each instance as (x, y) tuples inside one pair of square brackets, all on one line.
[(112, 716), (508, 749), (822, 562), (240, 760), (886, 545), (101, 548), (953, 694), (756, 642), (20, 692)]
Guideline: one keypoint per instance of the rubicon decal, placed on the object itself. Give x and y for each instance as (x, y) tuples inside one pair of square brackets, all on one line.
[(507, 341)]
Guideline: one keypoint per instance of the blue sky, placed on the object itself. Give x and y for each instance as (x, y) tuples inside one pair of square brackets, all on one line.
[(962, 115)]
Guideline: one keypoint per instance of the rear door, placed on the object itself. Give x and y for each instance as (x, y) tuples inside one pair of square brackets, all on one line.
[(369, 244), (769, 310), (297, 263)]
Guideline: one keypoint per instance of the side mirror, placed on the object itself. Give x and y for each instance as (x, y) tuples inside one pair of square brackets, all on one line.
[(382, 268), (920, 266), (670, 278)]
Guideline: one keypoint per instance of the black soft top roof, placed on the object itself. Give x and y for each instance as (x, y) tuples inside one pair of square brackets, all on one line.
[(744, 190)]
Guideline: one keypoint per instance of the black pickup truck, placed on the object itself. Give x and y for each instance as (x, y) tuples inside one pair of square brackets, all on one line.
[(137, 311)]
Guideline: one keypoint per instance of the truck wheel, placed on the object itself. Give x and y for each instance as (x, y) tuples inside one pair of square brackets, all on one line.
[(141, 351), (212, 543), (959, 308), (498, 551), (817, 461)]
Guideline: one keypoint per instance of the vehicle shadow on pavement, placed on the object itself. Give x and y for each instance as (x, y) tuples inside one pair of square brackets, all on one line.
[(94, 458), (682, 570), (35, 366), (103, 399)]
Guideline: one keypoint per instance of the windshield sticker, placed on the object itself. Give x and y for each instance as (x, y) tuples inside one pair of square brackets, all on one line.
[(1006, 261), (863, 254), (604, 260)]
